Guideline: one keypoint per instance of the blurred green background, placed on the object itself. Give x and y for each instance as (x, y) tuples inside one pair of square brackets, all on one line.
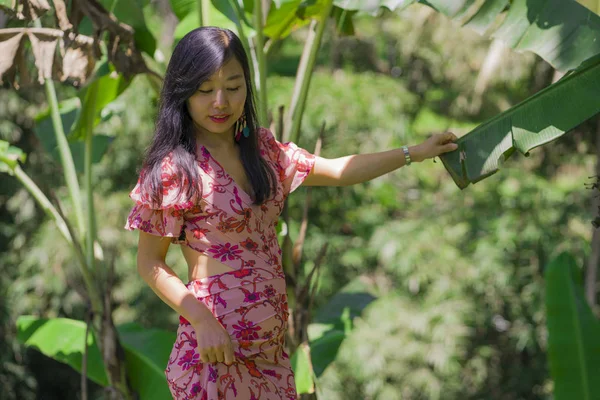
[(458, 275)]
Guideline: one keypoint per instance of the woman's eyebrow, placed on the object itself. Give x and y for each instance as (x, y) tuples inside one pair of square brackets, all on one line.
[(231, 78)]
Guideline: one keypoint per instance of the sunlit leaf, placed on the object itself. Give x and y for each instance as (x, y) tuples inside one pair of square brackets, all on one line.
[(564, 33), (146, 351), (191, 21), (181, 8), (62, 340), (303, 372), (540, 119), (372, 6), (146, 356), (94, 97), (333, 323)]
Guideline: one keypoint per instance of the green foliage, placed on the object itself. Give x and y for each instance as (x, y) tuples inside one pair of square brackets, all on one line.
[(10, 156), (303, 370), (573, 332), (459, 288), (63, 340), (76, 113), (189, 20), (146, 354), (146, 351)]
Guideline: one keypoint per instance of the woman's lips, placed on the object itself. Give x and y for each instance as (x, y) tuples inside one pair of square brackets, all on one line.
[(219, 119)]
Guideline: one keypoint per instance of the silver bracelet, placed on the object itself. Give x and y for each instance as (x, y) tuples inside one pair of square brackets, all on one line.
[(406, 155)]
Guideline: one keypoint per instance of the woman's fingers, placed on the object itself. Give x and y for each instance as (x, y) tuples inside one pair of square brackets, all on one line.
[(228, 354), (219, 354), (446, 137), (446, 140), (205, 355), (449, 147), (222, 353)]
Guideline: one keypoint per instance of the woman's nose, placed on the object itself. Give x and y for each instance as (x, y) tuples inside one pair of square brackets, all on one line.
[(221, 100)]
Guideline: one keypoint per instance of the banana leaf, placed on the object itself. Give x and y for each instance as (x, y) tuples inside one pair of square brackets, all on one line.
[(562, 32), (62, 340), (573, 333), (538, 120), (146, 351), (332, 324)]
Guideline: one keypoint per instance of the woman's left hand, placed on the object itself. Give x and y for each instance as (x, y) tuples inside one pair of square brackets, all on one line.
[(435, 145)]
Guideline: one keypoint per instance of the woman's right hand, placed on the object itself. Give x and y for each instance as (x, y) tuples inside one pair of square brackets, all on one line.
[(214, 343)]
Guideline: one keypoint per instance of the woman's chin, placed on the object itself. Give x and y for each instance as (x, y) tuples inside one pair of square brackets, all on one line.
[(217, 129)]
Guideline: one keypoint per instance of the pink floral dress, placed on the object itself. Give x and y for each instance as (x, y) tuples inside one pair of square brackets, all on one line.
[(250, 301)]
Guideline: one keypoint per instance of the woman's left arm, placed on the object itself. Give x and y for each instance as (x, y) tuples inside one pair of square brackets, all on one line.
[(360, 168)]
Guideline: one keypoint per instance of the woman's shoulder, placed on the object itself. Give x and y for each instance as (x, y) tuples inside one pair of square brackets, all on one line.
[(265, 135), (267, 143), (174, 182)]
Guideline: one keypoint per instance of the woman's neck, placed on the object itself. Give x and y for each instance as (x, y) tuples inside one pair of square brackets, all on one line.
[(219, 142)]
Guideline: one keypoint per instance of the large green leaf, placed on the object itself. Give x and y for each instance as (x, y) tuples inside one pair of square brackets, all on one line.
[(332, 324), (485, 16), (540, 119), (291, 15), (573, 333), (146, 351), (592, 5), (181, 8), (303, 372), (93, 98), (62, 340), (563, 32), (189, 20), (75, 114), (147, 354), (372, 6), (69, 112)]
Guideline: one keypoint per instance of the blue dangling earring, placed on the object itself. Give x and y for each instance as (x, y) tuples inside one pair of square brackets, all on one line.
[(241, 128)]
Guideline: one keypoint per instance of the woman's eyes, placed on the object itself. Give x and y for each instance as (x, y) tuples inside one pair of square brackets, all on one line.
[(235, 89)]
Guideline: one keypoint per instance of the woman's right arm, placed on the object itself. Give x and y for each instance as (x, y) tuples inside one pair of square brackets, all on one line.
[(213, 340)]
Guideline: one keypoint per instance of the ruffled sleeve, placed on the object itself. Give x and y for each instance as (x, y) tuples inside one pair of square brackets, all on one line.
[(292, 162), (166, 218)]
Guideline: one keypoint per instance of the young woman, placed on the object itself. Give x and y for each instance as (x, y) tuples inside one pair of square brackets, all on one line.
[(215, 182)]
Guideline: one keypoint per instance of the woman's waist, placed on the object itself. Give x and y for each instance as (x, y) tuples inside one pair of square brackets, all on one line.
[(203, 264), (257, 277)]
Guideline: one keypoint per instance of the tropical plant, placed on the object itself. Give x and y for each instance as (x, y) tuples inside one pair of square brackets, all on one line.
[(262, 25)]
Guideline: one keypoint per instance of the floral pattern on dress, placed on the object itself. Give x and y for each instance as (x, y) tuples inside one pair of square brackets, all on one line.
[(250, 301)]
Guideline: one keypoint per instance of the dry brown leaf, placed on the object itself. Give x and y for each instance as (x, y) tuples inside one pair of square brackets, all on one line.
[(21, 66), (61, 15), (9, 46), (77, 60), (27, 9), (44, 48), (33, 9)]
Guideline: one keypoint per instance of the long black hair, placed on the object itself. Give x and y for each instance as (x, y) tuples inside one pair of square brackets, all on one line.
[(200, 54)]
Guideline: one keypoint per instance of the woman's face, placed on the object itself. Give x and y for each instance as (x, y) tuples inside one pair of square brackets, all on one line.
[(219, 101)]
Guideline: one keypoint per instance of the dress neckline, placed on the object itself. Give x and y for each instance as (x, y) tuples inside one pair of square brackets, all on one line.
[(227, 175)]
